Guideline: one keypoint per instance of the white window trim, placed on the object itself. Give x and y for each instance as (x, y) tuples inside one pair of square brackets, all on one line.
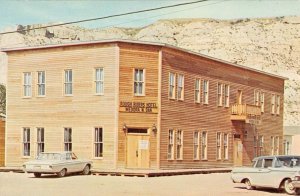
[(205, 93), (219, 145), (273, 104), (179, 142), (220, 95), (23, 143), (94, 143), (173, 87), (65, 83), (226, 151), (38, 140), (197, 143), (277, 107), (143, 82), (171, 144), (204, 156), (98, 81), (197, 91), (182, 87), (38, 84), (226, 98), (25, 85), (68, 142)]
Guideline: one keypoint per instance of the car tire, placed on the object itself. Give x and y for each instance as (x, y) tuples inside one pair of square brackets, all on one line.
[(62, 173), (288, 187), (37, 175), (249, 185), (86, 170)]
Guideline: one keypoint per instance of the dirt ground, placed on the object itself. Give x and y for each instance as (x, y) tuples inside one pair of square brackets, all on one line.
[(200, 184)]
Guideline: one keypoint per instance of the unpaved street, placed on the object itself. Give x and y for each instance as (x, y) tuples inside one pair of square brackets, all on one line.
[(200, 184)]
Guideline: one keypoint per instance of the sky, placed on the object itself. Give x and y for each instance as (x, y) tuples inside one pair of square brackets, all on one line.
[(43, 12)]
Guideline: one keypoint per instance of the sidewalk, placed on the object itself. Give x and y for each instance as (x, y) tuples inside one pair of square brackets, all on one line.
[(139, 172)]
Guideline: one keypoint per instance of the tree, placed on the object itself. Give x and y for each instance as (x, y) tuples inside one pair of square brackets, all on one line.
[(2, 99)]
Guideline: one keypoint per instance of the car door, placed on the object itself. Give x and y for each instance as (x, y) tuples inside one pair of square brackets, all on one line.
[(254, 174), (266, 175)]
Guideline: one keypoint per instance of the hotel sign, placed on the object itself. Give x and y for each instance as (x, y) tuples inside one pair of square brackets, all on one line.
[(138, 107)]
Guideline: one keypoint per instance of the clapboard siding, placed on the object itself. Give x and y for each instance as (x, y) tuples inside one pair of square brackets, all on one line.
[(82, 111), (189, 116), (2, 142), (142, 57)]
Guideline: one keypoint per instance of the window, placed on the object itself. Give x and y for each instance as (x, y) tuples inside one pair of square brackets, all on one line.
[(268, 163), (180, 87), (196, 145), (99, 81), (171, 145), (27, 84), (179, 144), (68, 82), (172, 86), (220, 94), (68, 139), (41, 83), (272, 145), (205, 91), (278, 105), (277, 145), (262, 102), (139, 82), (98, 142), (197, 91), (286, 147), (255, 146), (40, 140), (227, 89), (259, 163), (204, 146), (261, 145), (219, 146), (273, 104), (26, 141), (225, 144), (256, 98)]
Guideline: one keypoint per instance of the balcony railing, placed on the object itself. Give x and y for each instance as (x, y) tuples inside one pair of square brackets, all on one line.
[(243, 111)]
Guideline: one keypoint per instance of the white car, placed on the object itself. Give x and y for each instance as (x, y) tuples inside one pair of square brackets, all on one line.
[(59, 163), (280, 172)]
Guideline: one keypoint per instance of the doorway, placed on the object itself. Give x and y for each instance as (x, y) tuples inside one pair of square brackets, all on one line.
[(137, 151), (237, 151)]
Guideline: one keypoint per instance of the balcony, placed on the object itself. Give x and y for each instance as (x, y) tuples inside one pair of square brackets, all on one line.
[(245, 112)]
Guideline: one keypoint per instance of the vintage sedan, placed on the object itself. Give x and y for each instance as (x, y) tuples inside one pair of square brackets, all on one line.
[(280, 172), (59, 163)]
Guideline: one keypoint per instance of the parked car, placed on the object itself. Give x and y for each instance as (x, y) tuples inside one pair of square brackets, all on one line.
[(59, 163), (280, 172)]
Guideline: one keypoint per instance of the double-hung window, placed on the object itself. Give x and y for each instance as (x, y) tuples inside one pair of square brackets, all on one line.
[(205, 91), (197, 91), (227, 92), (99, 81), (272, 145), (220, 94), (204, 145), (41, 83), (27, 84), (171, 144), (277, 145), (256, 97), (262, 102), (180, 87), (98, 142), (219, 151), (40, 140), (139, 83), (273, 104), (26, 141), (278, 104), (68, 82), (68, 139), (225, 144), (196, 145), (261, 145), (179, 143), (171, 85)]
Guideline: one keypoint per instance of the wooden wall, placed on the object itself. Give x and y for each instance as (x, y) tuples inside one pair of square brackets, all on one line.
[(2, 142), (82, 111), (142, 57), (190, 116)]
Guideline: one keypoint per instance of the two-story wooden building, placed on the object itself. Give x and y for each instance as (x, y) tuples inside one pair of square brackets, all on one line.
[(132, 104)]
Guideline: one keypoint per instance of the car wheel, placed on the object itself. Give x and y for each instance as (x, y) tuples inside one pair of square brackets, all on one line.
[(248, 185), (288, 187), (62, 173), (37, 175), (86, 170)]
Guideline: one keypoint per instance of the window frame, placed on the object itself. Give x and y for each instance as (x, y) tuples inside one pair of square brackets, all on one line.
[(68, 82), (276, 145), (262, 102), (41, 84), (278, 100), (172, 87), (26, 145), (204, 145), (68, 140), (197, 91), (180, 87), (96, 143), (99, 80), (273, 100), (40, 140), (219, 145), (27, 84), (226, 95), (219, 94), (261, 145), (170, 149), (179, 144), (205, 91), (272, 145), (225, 146), (137, 94), (196, 145)]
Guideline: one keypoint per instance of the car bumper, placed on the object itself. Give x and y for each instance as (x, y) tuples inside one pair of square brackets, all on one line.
[(296, 184)]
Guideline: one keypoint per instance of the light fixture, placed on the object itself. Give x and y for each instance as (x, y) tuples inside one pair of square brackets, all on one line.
[(154, 128), (124, 127)]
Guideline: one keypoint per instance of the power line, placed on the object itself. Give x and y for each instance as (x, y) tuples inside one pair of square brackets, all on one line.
[(105, 17)]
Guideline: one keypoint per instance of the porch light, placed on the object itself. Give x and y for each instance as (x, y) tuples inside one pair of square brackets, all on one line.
[(154, 128), (124, 127)]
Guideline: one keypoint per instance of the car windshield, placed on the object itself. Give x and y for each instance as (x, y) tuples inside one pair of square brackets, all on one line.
[(49, 156), (288, 162)]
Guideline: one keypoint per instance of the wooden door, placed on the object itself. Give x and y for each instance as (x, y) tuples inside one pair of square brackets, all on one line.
[(137, 151), (237, 152)]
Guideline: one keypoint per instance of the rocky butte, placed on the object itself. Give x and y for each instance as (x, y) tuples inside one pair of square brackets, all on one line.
[(268, 44)]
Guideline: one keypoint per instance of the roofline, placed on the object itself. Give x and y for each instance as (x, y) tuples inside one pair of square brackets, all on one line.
[(139, 42)]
